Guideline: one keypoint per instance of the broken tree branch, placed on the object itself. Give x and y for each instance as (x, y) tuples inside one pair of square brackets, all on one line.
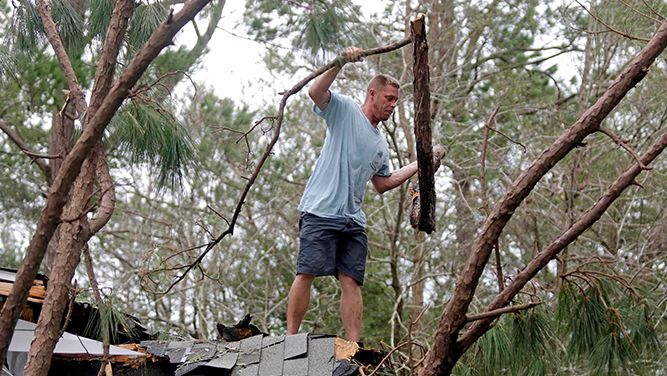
[(423, 134), (278, 122)]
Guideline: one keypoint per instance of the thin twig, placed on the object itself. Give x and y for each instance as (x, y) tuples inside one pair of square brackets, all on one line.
[(509, 139), (617, 139), (46, 169), (609, 26), (70, 308), (501, 311), (482, 173), (640, 12), (387, 357), (653, 10)]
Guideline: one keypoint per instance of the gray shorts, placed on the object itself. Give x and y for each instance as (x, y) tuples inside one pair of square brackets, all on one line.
[(331, 245)]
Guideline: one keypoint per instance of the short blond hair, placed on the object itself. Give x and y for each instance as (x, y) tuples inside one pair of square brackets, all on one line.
[(381, 80)]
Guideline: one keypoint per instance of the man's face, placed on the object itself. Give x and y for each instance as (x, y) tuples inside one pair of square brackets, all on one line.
[(384, 102)]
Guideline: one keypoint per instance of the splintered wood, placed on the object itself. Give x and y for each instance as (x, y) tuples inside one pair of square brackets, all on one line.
[(439, 152), (422, 99)]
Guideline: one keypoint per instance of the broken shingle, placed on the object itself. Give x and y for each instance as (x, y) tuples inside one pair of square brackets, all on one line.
[(271, 362), (226, 361), (296, 345), (321, 355)]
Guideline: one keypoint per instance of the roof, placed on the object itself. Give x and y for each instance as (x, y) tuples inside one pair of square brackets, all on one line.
[(300, 354), (69, 344)]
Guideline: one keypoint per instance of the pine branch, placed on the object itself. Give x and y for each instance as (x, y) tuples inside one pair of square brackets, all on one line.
[(566, 238), (447, 348), (65, 63)]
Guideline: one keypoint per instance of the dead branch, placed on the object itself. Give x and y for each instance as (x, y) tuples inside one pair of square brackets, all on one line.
[(620, 142), (340, 60), (65, 63), (611, 28), (501, 311), (36, 158)]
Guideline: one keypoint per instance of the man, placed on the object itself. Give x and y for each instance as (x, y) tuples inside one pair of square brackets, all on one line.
[(332, 226)]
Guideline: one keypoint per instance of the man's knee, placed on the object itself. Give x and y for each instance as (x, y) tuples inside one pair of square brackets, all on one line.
[(304, 278), (348, 283)]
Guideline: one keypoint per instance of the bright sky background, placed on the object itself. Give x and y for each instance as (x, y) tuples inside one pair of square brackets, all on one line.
[(233, 66)]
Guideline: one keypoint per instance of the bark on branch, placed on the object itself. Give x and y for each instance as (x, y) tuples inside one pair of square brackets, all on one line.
[(71, 166), (65, 63), (422, 101), (445, 352)]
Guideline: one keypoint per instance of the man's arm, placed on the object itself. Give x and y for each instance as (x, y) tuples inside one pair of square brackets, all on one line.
[(398, 177), (319, 90)]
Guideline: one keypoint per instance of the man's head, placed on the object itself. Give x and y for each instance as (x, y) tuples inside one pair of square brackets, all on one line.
[(381, 98)]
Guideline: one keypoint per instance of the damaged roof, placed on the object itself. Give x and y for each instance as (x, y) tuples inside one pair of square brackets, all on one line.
[(300, 354)]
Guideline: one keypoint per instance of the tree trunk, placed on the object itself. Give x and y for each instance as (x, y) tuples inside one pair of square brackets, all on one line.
[(74, 234)]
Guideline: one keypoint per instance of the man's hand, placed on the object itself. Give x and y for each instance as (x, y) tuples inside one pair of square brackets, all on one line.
[(439, 152), (352, 55)]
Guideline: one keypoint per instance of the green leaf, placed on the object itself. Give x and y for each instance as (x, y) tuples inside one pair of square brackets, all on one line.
[(148, 133)]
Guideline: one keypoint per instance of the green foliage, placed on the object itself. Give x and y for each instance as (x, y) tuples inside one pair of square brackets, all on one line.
[(148, 133), (146, 18), (606, 330), (108, 321), (315, 26), (27, 31), (69, 23), (99, 18)]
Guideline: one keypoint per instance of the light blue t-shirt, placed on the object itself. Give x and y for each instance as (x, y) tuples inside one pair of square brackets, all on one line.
[(353, 152)]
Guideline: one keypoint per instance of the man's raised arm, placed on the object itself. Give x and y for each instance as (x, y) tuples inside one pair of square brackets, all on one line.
[(319, 90)]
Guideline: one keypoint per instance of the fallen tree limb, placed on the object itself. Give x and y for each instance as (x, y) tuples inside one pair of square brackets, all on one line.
[(278, 121), (423, 134)]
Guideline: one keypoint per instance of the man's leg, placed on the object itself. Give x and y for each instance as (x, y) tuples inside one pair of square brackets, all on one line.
[(351, 306), (298, 301)]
